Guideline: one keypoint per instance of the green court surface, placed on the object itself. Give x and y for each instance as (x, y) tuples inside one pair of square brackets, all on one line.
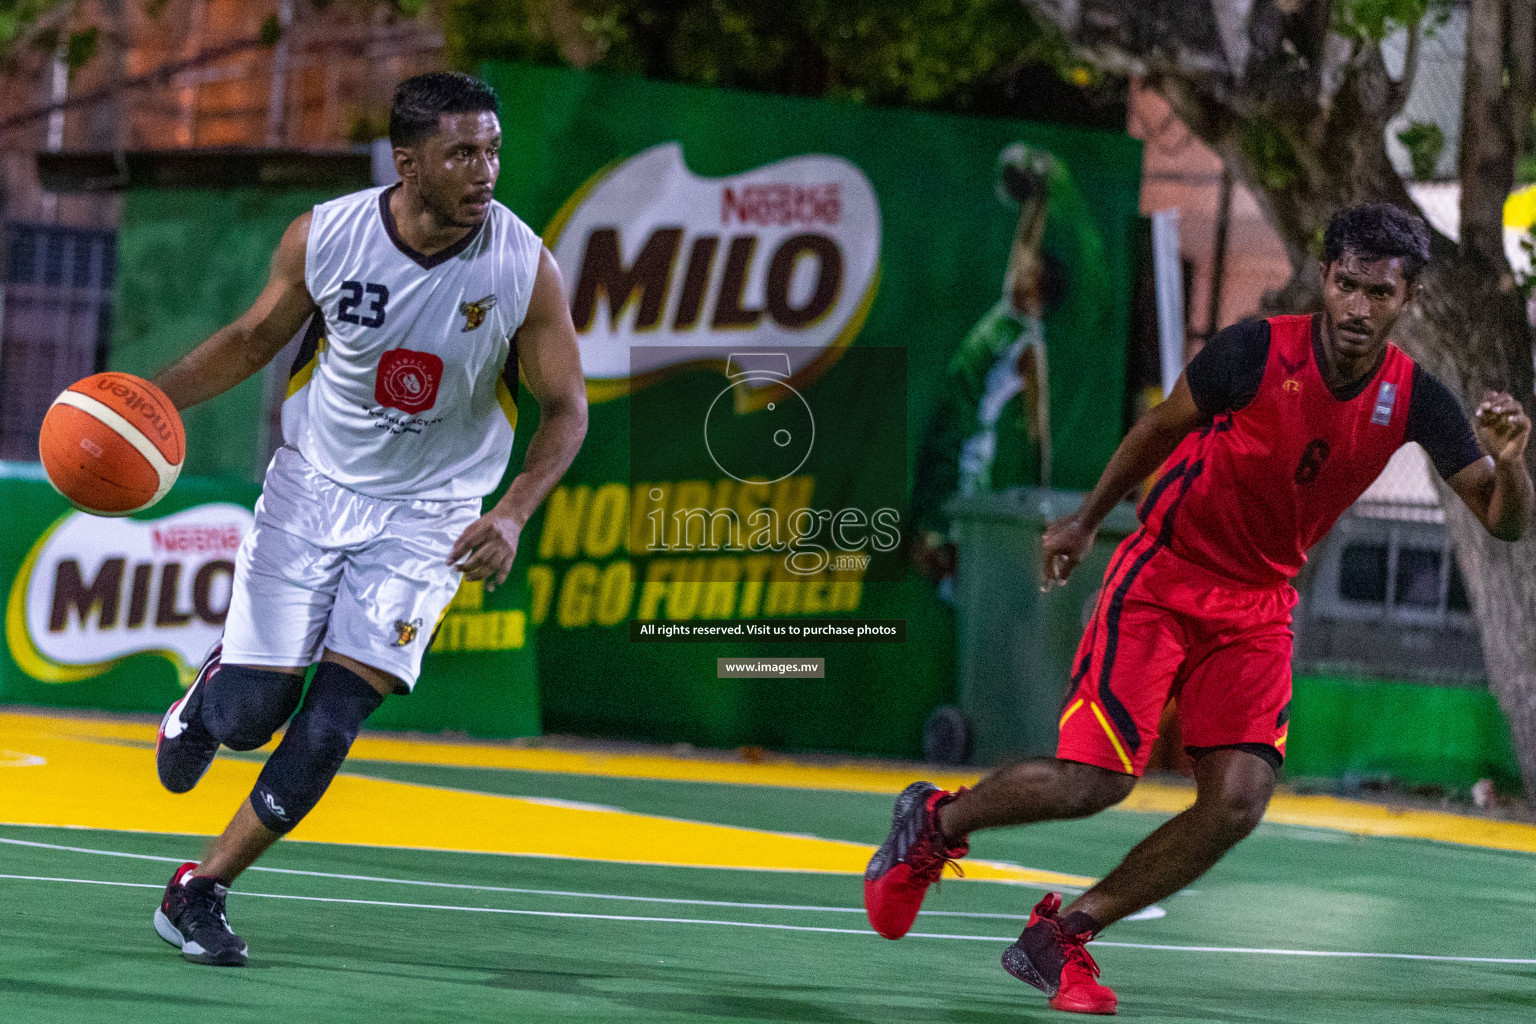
[(1298, 924)]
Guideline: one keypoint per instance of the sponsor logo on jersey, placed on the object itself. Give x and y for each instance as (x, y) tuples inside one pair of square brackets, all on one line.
[(1386, 398), (669, 269), (408, 380), (405, 632), (94, 591), (474, 312)]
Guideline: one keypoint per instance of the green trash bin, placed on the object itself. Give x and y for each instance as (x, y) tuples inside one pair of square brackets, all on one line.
[(1016, 644)]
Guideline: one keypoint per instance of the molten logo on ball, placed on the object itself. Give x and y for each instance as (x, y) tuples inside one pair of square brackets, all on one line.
[(408, 380)]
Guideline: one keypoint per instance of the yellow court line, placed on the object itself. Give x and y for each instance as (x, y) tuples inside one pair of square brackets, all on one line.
[(103, 782), (1352, 816)]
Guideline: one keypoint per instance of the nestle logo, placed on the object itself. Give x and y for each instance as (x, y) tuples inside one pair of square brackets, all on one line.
[(200, 539), (782, 205)]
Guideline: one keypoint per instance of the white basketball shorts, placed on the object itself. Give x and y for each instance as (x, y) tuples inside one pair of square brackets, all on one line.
[(328, 568)]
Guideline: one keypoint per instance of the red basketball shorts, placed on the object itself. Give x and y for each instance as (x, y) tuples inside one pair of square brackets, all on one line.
[(1163, 626)]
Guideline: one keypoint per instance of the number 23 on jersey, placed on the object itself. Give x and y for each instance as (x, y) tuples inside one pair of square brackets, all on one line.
[(352, 297)]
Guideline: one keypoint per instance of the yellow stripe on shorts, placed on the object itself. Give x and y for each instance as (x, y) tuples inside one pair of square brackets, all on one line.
[(1113, 739)]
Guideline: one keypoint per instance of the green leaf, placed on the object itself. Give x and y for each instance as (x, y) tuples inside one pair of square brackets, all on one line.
[(1376, 19), (81, 48), (271, 31), (1271, 154), (1425, 142), (944, 54)]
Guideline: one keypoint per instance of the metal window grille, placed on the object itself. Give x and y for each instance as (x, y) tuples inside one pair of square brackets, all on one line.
[(56, 325)]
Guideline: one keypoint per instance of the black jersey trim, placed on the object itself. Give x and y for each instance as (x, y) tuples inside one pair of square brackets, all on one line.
[(1226, 374), (509, 369), (1085, 662), (309, 347), (1356, 389), (425, 262), (1185, 474)]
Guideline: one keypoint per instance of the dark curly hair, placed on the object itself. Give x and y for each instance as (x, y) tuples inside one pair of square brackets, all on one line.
[(422, 100), (1379, 231)]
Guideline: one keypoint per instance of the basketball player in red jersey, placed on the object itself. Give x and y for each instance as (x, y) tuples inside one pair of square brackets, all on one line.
[(1275, 429)]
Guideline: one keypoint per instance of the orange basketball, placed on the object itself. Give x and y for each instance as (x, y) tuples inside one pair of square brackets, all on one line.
[(112, 444)]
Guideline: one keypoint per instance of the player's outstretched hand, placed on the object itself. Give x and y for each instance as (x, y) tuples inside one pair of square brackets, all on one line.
[(1064, 545), (487, 548), (1502, 426)]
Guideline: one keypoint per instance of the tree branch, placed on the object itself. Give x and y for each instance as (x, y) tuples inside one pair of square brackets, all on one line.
[(1403, 87), (1522, 72), (159, 76), (1487, 155)]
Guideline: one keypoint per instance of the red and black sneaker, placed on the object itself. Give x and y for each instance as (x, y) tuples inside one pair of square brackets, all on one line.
[(184, 747), (1058, 963), (191, 918), (911, 859)]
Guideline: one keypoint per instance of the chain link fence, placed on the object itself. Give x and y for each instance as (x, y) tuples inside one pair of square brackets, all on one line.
[(56, 326)]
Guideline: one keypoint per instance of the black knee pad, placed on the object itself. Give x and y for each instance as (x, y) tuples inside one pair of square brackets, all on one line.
[(301, 768), (244, 706)]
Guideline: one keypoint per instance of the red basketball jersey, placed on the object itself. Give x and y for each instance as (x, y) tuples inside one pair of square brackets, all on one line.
[(1247, 494)]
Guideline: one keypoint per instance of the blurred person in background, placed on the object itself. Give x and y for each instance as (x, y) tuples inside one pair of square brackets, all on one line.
[(992, 430)]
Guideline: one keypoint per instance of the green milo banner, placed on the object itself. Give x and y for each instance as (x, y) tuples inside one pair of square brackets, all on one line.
[(788, 312), (117, 614), (791, 314)]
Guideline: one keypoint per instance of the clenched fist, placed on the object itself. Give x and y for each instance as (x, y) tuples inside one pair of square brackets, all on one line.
[(1065, 544), (1502, 426)]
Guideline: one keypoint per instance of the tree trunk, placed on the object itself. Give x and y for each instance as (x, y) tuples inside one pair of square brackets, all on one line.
[(1501, 583), (1469, 328)]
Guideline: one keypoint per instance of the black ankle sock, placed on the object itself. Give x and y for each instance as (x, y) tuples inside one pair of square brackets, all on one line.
[(1077, 923)]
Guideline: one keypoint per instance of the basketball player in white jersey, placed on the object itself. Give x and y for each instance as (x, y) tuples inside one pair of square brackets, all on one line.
[(422, 300)]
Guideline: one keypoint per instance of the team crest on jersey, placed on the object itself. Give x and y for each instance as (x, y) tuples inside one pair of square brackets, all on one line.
[(408, 380), (474, 312), (1290, 385), (406, 632)]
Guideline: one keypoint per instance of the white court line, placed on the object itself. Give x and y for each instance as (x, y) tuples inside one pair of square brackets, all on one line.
[(517, 890), (1042, 886), (807, 928)]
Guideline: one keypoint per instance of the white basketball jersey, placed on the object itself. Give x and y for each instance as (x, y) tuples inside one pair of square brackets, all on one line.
[(406, 383)]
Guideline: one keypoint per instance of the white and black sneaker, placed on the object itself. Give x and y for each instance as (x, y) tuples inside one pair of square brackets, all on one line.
[(185, 748), (191, 918)]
